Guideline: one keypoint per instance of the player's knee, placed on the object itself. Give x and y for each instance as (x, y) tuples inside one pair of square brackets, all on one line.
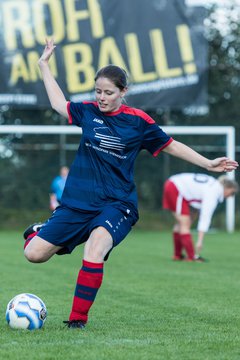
[(97, 247), (34, 256), (95, 253), (184, 225)]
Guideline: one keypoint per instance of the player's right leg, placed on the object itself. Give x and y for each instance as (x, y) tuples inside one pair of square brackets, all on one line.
[(39, 250), (177, 244), (42, 241), (184, 225), (172, 200)]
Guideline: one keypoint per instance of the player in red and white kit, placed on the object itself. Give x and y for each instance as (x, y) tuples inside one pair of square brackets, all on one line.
[(202, 193)]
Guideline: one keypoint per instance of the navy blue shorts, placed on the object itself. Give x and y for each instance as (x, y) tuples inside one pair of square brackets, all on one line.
[(68, 228)]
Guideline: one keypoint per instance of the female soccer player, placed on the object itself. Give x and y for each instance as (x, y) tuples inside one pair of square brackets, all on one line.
[(201, 192), (99, 202)]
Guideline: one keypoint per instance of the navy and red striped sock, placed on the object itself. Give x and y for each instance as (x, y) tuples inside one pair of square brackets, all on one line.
[(88, 282)]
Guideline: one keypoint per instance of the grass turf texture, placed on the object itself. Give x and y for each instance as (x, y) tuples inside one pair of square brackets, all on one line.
[(148, 307)]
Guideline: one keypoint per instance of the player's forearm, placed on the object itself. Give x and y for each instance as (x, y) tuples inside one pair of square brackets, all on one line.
[(55, 94), (199, 244), (201, 236), (184, 152), (53, 202)]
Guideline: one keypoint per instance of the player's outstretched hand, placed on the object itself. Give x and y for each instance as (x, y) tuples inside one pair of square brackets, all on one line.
[(48, 51), (223, 164)]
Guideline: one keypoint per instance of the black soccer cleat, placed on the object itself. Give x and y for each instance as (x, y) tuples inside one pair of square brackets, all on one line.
[(75, 324), (198, 258), (32, 229)]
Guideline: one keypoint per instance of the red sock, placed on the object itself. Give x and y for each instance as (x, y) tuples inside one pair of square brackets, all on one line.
[(88, 282), (29, 238), (177, 245), (187, 243)]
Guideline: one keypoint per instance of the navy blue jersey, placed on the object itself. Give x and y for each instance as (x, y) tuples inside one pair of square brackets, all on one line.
[(102, 172)]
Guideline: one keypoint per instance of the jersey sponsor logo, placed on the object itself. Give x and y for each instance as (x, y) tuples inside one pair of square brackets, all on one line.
[(99, 121), (108, 141)]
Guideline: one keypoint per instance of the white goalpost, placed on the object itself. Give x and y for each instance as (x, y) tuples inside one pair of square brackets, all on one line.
[(227, 131)]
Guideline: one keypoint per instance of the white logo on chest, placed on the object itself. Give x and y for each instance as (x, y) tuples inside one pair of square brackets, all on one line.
[(99, 121), (108, 141)]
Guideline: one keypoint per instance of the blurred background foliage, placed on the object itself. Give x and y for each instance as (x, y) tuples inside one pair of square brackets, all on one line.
[(29, 162)]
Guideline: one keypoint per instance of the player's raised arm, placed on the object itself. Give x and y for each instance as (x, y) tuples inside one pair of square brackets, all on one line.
[(55, 94), (182, 151)]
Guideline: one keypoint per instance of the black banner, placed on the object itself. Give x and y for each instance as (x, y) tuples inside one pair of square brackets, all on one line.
[(159, 42)]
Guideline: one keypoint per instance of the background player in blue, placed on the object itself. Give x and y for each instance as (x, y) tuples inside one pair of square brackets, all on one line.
[(99, 203), (57, 187)]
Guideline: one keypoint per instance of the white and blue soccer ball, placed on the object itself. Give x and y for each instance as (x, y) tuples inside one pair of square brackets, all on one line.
[(26, 311)]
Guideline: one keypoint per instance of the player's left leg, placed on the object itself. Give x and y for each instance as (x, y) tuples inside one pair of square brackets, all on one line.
[(90, 275), (108, 229)]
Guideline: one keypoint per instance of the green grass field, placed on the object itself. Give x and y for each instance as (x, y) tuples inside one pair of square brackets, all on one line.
[(148, 307)]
